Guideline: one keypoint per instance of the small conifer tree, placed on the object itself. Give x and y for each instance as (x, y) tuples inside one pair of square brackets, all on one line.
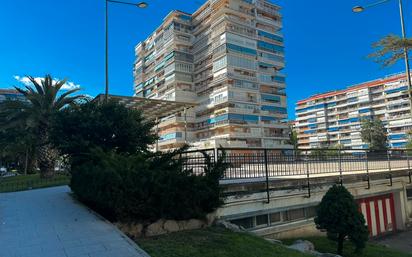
[(339, 215)]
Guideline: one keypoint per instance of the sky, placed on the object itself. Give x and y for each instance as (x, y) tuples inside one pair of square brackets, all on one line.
[(326, 44)]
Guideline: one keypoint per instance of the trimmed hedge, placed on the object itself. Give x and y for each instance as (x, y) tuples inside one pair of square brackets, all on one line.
[(146, 186)]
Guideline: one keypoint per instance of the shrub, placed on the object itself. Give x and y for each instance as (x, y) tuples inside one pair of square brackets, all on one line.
[(109, 126), (339, 215), (146, 186)]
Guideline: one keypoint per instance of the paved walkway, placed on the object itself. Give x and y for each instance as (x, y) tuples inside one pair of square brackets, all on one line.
[(401, 241), (50, 223)]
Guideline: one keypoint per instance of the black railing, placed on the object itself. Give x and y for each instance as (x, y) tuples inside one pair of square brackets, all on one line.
[(264, 165), (256, 163), (280, 163)]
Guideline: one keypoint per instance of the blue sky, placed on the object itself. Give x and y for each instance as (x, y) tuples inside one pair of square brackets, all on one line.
[(326, 44)]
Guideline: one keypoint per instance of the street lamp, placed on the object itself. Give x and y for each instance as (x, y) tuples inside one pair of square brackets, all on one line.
[(139, 5), (358, 9)]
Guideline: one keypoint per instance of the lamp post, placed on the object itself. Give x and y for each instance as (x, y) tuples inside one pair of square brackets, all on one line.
[(139, 5), (358, 9)]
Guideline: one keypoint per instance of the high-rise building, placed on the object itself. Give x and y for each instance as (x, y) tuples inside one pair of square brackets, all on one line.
[(227, 58), (10, 94), (334, 118)]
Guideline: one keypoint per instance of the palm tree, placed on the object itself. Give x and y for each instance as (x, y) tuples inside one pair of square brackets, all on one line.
[(35, 114)]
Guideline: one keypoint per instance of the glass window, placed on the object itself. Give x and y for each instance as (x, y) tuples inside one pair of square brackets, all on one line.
[(296, 214), (262, 220), (311, 212), (219, 64), (242, 62), (275, 217), (245, 222), (409, 192)]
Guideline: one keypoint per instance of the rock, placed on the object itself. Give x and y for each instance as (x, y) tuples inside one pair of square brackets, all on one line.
[(303, 246), (194, 224), (155, 229), (228, 225), (171, 226), (191, 224), (133, 230), (210, 218)]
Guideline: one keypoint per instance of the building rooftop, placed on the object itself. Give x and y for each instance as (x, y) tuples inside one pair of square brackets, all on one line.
[(387, 79), (151, 108)]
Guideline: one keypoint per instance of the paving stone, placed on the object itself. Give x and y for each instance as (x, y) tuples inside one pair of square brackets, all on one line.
[(49, 223)]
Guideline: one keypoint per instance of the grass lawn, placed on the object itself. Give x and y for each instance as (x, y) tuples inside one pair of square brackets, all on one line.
[(322, 244), (27, 182), (213, 242)]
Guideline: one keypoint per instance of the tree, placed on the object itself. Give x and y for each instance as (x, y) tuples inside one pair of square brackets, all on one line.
[(409, 143), (293, 139), (390, 49), (35, 114), (17, 146), (339, 215), (373, 133), (108, 126)]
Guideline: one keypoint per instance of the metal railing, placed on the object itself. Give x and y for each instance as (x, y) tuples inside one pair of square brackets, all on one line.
[(262, 165), (256, 163), (21, 183)]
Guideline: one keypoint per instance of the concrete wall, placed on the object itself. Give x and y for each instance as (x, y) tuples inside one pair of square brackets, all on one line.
[(252, 204)]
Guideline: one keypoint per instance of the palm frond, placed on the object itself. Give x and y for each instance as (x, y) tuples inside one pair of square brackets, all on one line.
[(66, 94), (39, 87)]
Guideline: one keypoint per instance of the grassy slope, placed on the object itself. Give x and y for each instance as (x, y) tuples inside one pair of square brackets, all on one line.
[(25, 182), (213, 242), (322, 244)]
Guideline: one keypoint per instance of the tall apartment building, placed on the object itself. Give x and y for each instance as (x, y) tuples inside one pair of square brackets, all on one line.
[(226, 57), (335, 117), (10, 94)]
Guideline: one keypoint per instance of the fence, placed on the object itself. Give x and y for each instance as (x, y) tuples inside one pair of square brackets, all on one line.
[(21, 183), (280, 163)]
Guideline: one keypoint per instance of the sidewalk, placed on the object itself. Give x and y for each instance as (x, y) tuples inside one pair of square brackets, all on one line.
[(401, 241), (50, 223)]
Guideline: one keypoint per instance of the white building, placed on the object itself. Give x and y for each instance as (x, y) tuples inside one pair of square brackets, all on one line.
[(226, 58), (335, 117)]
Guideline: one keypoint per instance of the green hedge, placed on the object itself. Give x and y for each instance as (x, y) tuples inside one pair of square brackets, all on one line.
[(146, 186)]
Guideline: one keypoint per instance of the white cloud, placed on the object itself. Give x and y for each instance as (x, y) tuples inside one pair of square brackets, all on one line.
[(26, 81)]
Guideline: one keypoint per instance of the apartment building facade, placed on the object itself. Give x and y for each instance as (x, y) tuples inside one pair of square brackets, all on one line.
[(334, 118), (226, 57), (10, 94)]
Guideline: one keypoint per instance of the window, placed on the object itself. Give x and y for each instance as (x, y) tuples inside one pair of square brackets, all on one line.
[(272, 57), (241, 49), (184, 67), (409, 192), (245, 222), (219, 64), (296, 214), (311, 212), (269, 47), (270, 98), (244, 84), (262, 220), (241, 62), (275, 217), (270, 36)]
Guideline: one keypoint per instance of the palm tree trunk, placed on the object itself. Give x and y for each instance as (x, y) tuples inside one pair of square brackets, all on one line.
[(26, 161), (46, 155)]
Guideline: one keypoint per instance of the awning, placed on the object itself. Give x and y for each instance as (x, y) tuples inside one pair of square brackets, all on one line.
[(151, 108)]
